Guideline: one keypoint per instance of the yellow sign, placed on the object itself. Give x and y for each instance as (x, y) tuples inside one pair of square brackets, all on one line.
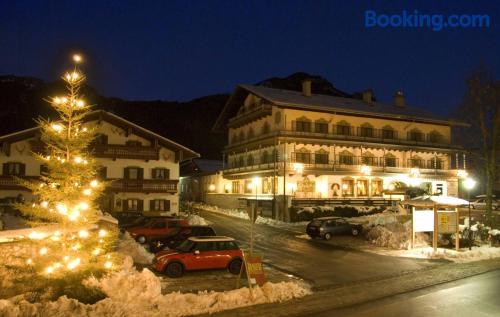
[(447, 222)]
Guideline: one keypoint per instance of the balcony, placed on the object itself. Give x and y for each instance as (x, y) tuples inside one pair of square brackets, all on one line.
[(113, 151), (144, 185), (346, 163), (8, 182)]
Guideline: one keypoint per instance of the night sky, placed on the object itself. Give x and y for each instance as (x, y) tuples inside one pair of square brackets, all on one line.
[(179, 50)]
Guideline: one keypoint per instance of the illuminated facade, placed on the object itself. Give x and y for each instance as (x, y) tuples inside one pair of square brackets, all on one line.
[(286, 145), (141, 167)]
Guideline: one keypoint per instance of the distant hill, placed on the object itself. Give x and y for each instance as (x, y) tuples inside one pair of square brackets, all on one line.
[(188, 123)]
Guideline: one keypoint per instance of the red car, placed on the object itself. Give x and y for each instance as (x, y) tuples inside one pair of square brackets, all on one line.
[(200, 253), (157, 227)]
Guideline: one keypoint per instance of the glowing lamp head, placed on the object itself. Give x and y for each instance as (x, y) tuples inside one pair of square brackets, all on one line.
[(77, 58), (391, 187), (211, 187), (255, 181), (345, 186), (469, 183), (365, 169)]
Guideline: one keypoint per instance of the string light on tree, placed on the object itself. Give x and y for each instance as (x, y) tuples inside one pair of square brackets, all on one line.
[(68, 191)]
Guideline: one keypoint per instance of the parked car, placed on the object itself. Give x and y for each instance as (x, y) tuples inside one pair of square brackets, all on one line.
[(177, 236), (139, 222), (325, 227), (200, 253), (481, 204), (157, 227), (127, 217)]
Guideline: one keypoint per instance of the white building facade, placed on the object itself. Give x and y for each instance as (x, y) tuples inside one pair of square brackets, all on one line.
[(140, 167), (287, 145)]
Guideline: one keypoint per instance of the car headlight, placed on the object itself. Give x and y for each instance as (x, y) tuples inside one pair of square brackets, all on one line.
[(321, 229)]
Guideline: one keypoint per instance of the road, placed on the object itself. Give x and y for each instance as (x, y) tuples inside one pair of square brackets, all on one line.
[(321, 263), (476, 296)]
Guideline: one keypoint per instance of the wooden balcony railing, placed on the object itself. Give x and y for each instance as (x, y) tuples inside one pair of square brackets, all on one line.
[(113, 151), (8, 182), (144, 185)]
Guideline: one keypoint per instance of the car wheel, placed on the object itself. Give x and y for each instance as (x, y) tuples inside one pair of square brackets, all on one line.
[(174, 270), (235, 266), (355, 231), (327, 236), (141, 239)]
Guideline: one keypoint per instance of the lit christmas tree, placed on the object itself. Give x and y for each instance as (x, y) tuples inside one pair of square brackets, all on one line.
[(68, 191)]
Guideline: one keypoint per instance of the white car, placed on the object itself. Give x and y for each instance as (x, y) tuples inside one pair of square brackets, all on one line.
[(481, 204)]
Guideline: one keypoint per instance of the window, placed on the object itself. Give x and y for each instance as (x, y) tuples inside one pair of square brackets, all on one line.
[(249, 187), (435, 137), (14, 168), (44, 170), (362, 187), (390, 161), (102, 172), (416, 162), (348, 187), (241, 162), (159, 205), (321, 127), (100, 139), (133, 205), (205, 246), (346, 159), (235, 187), (343, 129), (133, 143), (249, 160), (388, 134), (376, 189), (265, 158), (415, 135), (303, 126), (267, 185), (321, 158), (366, 132), (160, 173), (133, 173), (226, 245), (302, 157), (159, 224), (265, 128), (369, 160)]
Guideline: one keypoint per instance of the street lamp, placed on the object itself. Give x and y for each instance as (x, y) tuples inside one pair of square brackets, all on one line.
[(344, 188), (469, 184), (255, 181)]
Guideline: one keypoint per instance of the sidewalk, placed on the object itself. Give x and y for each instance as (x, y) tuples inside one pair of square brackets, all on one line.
[(348, 295)]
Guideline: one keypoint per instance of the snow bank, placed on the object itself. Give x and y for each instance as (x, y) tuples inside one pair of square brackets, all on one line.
[(195, 220), (394, 235), (127, 245), (461, 256), (133, 293)]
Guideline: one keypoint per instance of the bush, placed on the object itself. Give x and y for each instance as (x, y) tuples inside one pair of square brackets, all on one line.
[(299, 214)]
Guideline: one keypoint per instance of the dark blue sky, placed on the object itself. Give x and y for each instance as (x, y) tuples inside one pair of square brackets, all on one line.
[(179, 50)]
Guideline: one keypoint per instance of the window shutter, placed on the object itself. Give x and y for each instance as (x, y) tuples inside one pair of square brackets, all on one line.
[(5, 169), (140, 205), (103, 172), (140, 173), (151, 205), (126, 173), (167, 205), (125, 205), (104, 139), (167, 173), (22, 169)]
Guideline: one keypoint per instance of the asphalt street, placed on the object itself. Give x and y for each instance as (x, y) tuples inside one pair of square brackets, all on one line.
[(321, 263), (476, 296)]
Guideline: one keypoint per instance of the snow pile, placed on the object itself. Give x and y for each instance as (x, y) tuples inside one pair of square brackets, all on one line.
[(280, 224), (127, 245), (494, 232), (195, 220), (360, 209), (394, 235), (462, 256), (229, 212), (381, 219), (133, 293)]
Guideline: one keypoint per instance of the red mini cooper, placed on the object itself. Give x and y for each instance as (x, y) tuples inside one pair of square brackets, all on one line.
[(200, 253)]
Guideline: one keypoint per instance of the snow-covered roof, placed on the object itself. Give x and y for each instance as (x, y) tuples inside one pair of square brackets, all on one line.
[(427, 201), (210, 238)]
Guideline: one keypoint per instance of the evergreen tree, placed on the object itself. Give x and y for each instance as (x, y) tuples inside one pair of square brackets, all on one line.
[(67, 193)]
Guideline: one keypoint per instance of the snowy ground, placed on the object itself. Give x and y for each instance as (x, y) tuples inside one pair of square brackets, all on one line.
[(143, 297)]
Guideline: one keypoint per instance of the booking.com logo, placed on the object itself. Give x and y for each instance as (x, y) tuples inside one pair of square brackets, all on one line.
[(435, 22)]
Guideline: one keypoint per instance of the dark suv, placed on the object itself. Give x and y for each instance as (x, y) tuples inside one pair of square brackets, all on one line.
[(325, 227), (178, 236)]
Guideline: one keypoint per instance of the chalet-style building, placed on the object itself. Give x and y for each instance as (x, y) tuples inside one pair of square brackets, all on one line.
[(287, 145), (196, 177), (142, 167)]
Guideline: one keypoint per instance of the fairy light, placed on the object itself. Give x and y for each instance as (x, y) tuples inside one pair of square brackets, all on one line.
[(62, 209), (108, 264), (75, 247), (66, 258), (87, 192), (83, 234), (94, 183), (44, 204), (80, 103), (57, 127), (49, 270), (78, 160), (102, 233), (29, 261), (96, 251), (57, 100), (35, 235), (83, 205), (74, 215), (43, 251), (73, 264)]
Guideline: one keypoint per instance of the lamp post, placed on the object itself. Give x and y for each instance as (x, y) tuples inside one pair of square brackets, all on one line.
[(344, 188), (255, 181), (469, 183)]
